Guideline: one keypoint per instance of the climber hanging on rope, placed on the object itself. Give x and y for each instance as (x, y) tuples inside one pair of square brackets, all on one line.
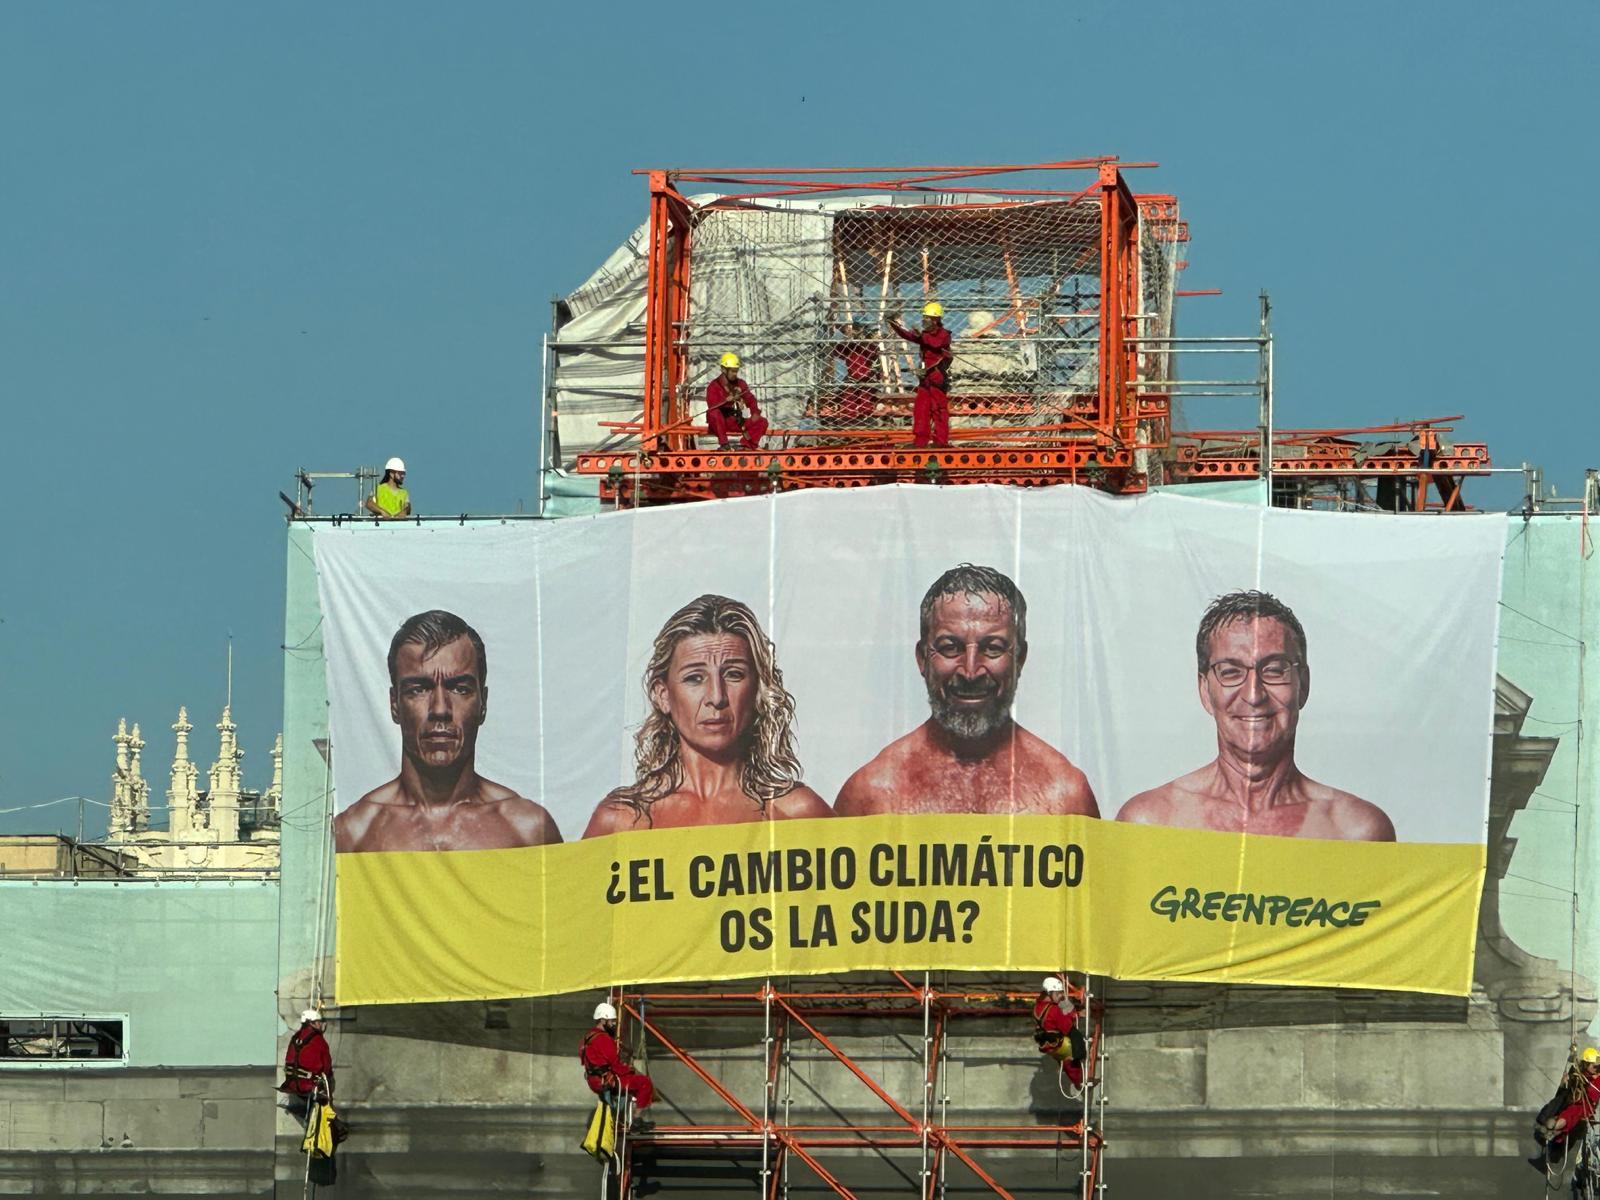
[(1574, 1104), (603, 1067), (1056, 1032), (307, 1067)]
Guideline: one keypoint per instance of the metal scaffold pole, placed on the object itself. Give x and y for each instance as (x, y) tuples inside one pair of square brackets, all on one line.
[(928, 1061), (1102, 1057), (1266, 393), (1085, 1172), (788, 1100), (769, 1060), (944, 1091)]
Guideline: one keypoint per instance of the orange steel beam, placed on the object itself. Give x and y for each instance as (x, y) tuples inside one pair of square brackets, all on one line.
[(1119, 300), (677, 317), (1346, 431), (666, 300), (825, 462), (655, 413), (1070, 164)]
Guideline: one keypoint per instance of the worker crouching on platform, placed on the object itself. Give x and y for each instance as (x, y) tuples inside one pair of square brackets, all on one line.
[(723, 416), (930, 412), (603, 1068), (1575, 1103), (1057, 1035), (307, 1067)]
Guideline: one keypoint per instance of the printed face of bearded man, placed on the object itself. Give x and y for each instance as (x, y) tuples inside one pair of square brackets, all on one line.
[(971, 658)]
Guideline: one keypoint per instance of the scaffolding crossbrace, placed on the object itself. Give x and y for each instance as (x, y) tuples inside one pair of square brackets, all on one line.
[(920, 1125)]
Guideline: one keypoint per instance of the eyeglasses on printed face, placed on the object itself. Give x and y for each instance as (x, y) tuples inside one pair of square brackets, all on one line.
[(1274, 672)]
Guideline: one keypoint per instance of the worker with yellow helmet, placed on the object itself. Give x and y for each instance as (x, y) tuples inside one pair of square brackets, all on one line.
[(930, 412), (723, 415), (1574, 1105)]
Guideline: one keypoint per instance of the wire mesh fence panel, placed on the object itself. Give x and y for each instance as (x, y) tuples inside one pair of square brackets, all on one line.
[(805, 295), (806, 290)]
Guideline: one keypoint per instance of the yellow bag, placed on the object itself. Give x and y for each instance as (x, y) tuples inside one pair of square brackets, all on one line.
[(600, 1140), (318, 1140)]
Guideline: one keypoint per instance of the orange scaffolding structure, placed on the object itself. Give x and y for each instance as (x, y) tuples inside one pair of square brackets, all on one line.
[(1060, 298), (918, 1124), (959, 231), (1386, 467)]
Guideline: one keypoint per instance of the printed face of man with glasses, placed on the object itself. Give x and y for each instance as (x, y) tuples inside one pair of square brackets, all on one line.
[(1254, 679)]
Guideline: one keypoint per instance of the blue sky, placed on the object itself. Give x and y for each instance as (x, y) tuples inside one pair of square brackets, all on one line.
[(236, 240)]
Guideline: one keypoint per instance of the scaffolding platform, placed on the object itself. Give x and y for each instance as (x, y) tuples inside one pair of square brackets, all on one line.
[(1059, 285), (772, 1141), (1058, 297)]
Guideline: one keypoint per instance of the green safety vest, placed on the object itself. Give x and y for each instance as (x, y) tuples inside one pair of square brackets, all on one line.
[(391, 499)]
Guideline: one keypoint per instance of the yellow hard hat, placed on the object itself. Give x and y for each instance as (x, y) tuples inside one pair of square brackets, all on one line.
[(1591, 1055), (730, 359), (933, 309)]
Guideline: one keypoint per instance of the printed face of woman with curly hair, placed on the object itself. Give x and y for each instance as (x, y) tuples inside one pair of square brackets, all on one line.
[(709, 693)]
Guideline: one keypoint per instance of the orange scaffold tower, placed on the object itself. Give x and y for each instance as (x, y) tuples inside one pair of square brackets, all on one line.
[(763, 1141), (1059, 285), (1047, 291)]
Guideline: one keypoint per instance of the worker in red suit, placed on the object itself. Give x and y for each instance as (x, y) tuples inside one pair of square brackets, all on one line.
[(930, 412), (1056, 1032), (603, 1068), (858, 397), (1575, 1103), (722, 408), (307, 1066)]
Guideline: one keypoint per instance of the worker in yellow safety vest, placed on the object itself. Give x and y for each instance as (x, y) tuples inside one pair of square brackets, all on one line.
[(390, 500)]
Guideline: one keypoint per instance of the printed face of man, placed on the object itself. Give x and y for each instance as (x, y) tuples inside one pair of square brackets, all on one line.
[(1256, 716), (439, 702), (971, 661), (709, 693)]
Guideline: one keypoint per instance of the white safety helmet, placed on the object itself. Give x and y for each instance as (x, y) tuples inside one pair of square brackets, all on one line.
[(604, 1012), (395, 464), (1053, 983), (310, 1014)]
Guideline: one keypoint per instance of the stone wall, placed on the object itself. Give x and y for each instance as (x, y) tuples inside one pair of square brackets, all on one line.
[(159, 1133)]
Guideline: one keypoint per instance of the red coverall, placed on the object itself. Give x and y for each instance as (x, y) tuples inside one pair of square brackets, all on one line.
[(1582, 1109), (932, 404), (603, 1067), (307, 1071), (723, 416), (1051, 1019), (858, 397)]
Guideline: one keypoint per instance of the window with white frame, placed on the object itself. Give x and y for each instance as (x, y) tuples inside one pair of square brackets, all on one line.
[(52, 1040)]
